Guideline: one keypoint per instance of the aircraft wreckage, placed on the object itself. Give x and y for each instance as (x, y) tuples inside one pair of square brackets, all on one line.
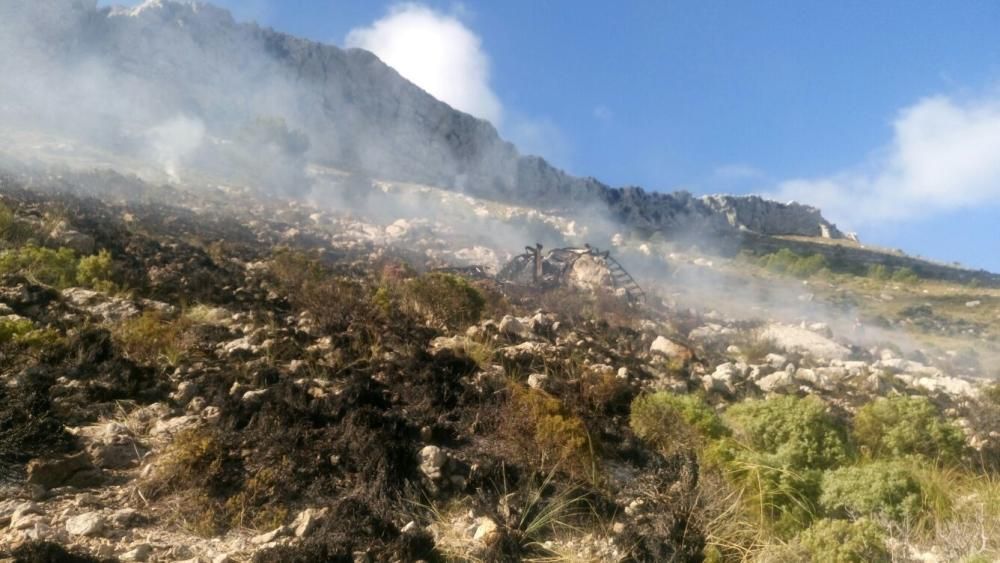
[(585, 268)]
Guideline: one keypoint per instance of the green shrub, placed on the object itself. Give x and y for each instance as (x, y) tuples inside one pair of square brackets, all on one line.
[(880, 489), (798, 432), (776, 456), (152, 338), (547, 433), (905, 275), (878, 272), (13, 232), (12, 330), (841, 541), (59, 268), (903, 426), (96, 271), (672, 422), (785, 261), (44, 265), (446, 298)]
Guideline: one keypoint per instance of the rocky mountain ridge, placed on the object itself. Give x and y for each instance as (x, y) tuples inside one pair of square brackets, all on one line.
[(173, 82)]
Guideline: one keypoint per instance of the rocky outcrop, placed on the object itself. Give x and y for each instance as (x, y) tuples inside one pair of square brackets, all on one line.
[(757, 214)]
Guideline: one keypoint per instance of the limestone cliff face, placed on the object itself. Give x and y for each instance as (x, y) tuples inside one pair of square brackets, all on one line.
[(115, 74), (768, 217)]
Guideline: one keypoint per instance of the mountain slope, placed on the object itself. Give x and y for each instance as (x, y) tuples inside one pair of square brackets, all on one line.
[(185, 85)]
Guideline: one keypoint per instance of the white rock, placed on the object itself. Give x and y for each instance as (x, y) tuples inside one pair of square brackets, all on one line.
[(140, 552), (269, 536), (173, 425), (668, 348), (89, 524), (777, 361), (306, 521), (432, 460), (776, 381), (952, 386), (511, 326), (537, 380), (793, 338)]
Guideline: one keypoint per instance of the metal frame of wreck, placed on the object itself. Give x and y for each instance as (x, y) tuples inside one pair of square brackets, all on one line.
[(567, 256)]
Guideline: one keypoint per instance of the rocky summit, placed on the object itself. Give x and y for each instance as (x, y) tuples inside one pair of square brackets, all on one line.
[(263, 299)]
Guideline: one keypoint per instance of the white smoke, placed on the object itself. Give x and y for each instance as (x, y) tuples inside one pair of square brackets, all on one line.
[(173, 141)]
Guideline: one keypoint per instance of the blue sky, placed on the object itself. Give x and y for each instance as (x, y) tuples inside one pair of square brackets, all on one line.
[(885, 114)]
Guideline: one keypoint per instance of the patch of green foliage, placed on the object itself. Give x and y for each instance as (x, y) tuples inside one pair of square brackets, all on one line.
[(59, 268), (13, 329), (44, 265), (841, 541), (881, 272), (884, 490), (22, 332), (548, 433), (776, 457), (152, 338), (13, 231), (96, 272), (672, 422), (900, 426), (446, 298), (905, 275), (787, 262), (798, 433)]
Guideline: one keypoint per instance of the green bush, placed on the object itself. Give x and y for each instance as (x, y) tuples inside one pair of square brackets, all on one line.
[(96, 271), (59, 268), (880, 489), (878, 272), (779, 449), (798, 432), (903, 426), (13, 232), (905, 275), (47, 266), (151, 338), (785, 261), (547, 433), (22, 332), (841, 541), (446, 298), (671, 422)]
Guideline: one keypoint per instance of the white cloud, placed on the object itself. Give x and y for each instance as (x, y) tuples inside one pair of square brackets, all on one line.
[(438, 53), (944, 156)]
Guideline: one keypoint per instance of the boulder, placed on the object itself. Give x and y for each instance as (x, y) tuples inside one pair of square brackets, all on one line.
[(804, 341), (777, 381), (511, 326), (670, 349), (89, 524)]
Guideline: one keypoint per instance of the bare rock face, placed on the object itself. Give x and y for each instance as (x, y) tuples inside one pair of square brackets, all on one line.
[(766, 217)]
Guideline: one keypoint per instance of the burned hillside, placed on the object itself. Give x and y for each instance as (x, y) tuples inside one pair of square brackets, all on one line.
[(183, 381)]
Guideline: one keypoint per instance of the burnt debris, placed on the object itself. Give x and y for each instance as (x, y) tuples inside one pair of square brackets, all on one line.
[(586, 268)]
